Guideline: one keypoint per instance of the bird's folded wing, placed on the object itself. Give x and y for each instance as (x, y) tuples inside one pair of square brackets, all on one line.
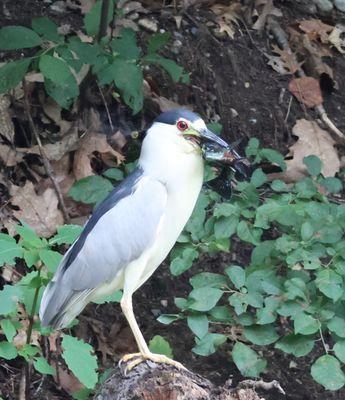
[(123, 226), (120, 235)]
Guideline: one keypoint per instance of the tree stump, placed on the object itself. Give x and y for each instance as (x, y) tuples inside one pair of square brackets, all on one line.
[(150, 381)]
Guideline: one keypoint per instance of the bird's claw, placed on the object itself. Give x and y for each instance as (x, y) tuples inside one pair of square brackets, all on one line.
[(132, 360)]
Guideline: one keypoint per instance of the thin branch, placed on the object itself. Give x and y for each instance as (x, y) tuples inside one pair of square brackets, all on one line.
[(106, 107), (251, 384), (281, 38), (46, 163)]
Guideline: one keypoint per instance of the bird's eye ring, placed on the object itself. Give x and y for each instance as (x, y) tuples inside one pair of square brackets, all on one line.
[(182, 126)]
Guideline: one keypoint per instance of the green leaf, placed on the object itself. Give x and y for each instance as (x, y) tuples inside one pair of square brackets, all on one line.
[(248, 233), (258, 178), (167, 319), (198, 324), (93, 17), (252, 147), (313, 165), (128, 79), (329, 283), (90, 190), (337, 326), (80, 360), (339, 350), (159, 345), (87, 53), (208, 344), (42, 366), (18, 37), (156, 41), (8, 329), (46, 28), (298, 345), (126, 45), (305, 324), (28, 351), (332, 185), (174, 70), (247, 360), (307, 231), (224, 227), (226, 210), (51, 259), (29, 236), (114, 173), (221, 314), (9, 297), (237, 275), (326, 371), (261, 334), (66, 234), (208, 279), (184, 262), (63, 94), (8, 351), (9, 250), (274, 157), (279, 186), (203, 299), (114, 297), (12, 73), (54, 69)]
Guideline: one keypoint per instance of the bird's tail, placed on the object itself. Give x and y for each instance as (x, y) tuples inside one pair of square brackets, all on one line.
[(60, 306)]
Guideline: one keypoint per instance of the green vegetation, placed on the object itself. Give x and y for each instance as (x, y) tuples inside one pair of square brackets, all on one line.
[(293, 236), (65, 60)]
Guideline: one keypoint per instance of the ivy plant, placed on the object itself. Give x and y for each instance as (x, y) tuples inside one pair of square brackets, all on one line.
[(64, 59)]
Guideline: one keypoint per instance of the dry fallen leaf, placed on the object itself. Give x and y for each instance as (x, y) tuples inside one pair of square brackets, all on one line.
[(306, 90), (336, 40), (227, 17), (39, 212), (312, 140), (9, 156), (90, 143), (267, 10), (316, 29), (288, 60), (6, 124)]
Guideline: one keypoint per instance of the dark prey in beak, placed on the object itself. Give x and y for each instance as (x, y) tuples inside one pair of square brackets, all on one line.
[(216, 153)]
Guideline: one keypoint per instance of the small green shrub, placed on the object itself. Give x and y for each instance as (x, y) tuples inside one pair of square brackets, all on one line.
[(293, 236), (19, 302), (64, 59)]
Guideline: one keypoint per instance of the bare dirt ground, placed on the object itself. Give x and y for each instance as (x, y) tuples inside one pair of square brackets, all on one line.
[(232, 78)]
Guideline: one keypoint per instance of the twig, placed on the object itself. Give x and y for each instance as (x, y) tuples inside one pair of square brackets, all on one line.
[(251, 384), (281, 38), (106, 107), (46, 163)]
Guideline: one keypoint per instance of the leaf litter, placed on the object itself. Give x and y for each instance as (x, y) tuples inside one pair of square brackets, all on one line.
[(312, 140)]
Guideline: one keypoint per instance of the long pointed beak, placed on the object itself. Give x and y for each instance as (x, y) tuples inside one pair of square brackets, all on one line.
[(218, 150), (209, 136)]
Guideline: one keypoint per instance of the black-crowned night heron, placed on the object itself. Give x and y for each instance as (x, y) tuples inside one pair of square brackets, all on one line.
[(132, 231)]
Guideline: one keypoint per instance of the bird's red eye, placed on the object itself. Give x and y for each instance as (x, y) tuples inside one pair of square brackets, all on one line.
[(182, 125)]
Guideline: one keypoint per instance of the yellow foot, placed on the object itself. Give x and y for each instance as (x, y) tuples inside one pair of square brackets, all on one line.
[(132, 360)]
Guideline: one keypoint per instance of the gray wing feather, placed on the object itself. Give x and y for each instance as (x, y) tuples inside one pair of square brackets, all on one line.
[(120, 235)]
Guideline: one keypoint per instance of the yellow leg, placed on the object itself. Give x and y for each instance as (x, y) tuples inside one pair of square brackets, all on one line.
[(132, 360)]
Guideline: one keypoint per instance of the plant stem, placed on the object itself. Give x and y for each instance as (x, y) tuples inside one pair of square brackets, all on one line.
[(32, 313), (103, 23)]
